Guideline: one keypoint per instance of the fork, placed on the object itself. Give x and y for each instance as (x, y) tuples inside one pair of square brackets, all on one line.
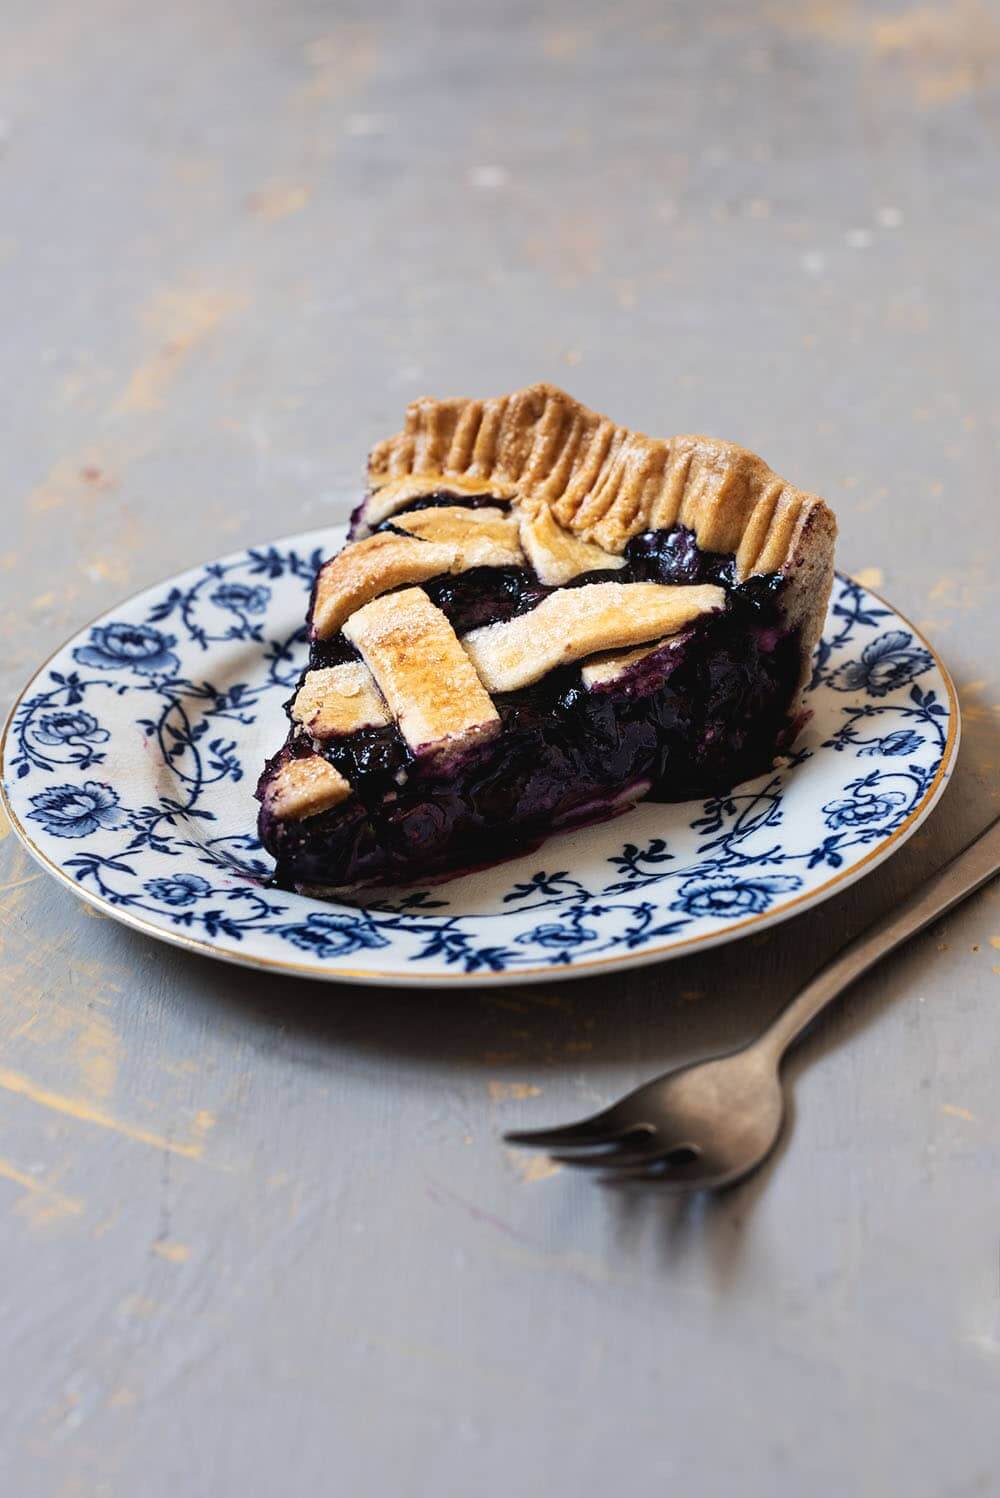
[(706, 1124)]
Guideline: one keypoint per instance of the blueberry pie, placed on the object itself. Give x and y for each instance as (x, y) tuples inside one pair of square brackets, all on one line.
[(540, 618)]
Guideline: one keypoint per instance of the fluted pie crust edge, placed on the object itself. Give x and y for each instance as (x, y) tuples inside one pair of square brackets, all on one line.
[(542, 449)]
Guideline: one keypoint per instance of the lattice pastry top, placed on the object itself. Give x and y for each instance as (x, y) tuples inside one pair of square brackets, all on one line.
[(537, 483)]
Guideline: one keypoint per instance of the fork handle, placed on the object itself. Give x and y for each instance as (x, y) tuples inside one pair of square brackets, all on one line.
[(978, 863)]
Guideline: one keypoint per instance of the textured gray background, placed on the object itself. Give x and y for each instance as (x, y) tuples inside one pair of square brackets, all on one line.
[(261, 1237)]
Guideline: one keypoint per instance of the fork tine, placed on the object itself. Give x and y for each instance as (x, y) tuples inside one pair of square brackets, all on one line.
[(614, 1159), (600, 1128), (689, 1176)]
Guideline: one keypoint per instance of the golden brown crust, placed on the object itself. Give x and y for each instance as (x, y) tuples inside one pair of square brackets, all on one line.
[(449, 539), (557, 555), (606, 484), (305, 787), (601, 481), (366, 569), (573, 623), (337, 700), (423, 673), (483, 538), (392, 495)]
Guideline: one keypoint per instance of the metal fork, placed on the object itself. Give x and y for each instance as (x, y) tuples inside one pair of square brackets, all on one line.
[(707, 1124)]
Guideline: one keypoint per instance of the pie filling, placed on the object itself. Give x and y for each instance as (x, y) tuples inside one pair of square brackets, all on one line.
[(705, 701)]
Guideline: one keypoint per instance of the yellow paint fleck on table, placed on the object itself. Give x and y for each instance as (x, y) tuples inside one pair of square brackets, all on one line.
[(122, 1398), (97, 1051), (106, 569), (869, 577), (102, 1228), (564, 42), (179, 321), (92, 912), (142, 1307), (533, 1167), (174, 1253), (341, 63), (962, 593), (954, 1111), (85, 1112), (940, 52), (9, 885), (42, 1203), (278, 200), (501, 1091)]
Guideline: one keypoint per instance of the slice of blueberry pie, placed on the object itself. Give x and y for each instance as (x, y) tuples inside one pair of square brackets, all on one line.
[(539, 619)]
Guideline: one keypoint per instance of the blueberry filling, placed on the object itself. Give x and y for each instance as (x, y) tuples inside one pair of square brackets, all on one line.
[(441, 498), (673, 556), (694, 718)]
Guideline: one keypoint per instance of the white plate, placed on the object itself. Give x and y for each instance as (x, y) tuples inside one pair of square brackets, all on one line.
[(129, 764)]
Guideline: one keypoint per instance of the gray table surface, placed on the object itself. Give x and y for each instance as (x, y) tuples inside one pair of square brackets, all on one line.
[(235, 238)]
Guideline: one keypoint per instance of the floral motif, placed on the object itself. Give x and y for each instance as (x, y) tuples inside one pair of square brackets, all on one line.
[(138, 647), (334, 933), (77, 810), (241, 598), (731, 858), (67, 727), (178, 889), (887, 663), (731, 896), (554, 934), (900, 742), (865, 807)]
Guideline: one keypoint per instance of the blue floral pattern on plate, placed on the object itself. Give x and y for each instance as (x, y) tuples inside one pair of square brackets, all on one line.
[(134, 647), (181, 691)]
